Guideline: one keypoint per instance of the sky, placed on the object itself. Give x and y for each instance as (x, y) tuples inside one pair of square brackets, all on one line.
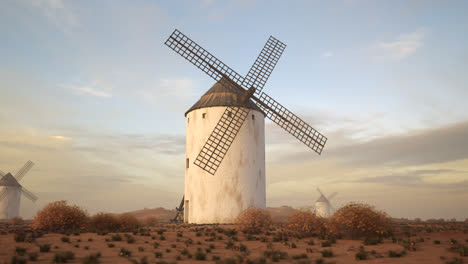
[(91, 94)]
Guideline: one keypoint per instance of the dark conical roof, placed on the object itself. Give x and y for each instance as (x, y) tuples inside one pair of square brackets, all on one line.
[(322, 199), (219, 95), (9, 180)]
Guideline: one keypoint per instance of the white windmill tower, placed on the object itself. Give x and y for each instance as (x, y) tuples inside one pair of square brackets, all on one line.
[(323, 207), (225, 135), (11, 190)]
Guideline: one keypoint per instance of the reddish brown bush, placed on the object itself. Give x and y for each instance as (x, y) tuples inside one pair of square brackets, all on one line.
[(357, 220), (128, 222), (254, 220), (150, 220), (306, 224), (104, 222), (17, 220), (60, 217)]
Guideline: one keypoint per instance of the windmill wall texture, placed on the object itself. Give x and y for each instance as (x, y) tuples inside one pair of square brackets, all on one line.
[(9, 206), (322, 209), (239, 182)]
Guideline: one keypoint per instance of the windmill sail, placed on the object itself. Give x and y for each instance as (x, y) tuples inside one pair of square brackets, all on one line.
[(218, 143)]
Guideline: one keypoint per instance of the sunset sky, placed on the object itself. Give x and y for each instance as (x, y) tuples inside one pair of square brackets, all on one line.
[(91, 94)]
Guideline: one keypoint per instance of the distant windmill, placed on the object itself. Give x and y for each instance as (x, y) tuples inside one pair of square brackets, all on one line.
[(225, 135), (323, 207), (11, 191)]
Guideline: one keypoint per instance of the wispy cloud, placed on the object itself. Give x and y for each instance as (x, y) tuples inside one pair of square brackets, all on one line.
[(170, 93), (400, 48), (327, 54), (58, 13), (61, 138), (90, 89)]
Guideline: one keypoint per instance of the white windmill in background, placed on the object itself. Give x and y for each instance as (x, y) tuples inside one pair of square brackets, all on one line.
[(323, 207), (11, 190)]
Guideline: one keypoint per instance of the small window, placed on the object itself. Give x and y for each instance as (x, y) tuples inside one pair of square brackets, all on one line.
[(203, 115), (229, 114), (253, 117), (187, 163), (188, 120)]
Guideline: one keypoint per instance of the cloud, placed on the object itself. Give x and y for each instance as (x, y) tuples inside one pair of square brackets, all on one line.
[(404, 46), (90, 89), (58, 13), (327, 54), (61, 137), (413, 178), (171, 93), (444, 144), (95, 169)]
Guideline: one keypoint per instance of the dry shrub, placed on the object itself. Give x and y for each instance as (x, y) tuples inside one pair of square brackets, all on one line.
[(306, 224), (254, 220), (17, 220), (357, 220), (58, 216), (150, 220), (128, 222), (104, 222)]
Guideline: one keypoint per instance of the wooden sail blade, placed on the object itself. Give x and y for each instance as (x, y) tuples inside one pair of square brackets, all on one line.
[(264, 65), (292, 123), (219, 141)]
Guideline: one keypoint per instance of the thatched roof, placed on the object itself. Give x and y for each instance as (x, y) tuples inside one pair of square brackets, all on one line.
[(9, 180), (322, 199), (218, 95)]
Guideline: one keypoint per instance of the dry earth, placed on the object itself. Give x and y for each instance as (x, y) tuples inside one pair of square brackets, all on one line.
[(180, 244)]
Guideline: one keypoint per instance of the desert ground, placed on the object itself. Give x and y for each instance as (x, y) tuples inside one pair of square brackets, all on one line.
[(186, 243)]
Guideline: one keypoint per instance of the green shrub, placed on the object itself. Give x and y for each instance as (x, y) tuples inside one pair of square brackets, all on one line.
[(20, 251), (158, 254), (395, 254), (92, 259), (200, 255), (300, 256), (325, 244), (63, 257), (18, 260), (20, 237), (362, 254), (437, 242), (116, 237), (372, 241), (130, 239), (32, 256), (125, 252), (327, 253), (65, 239)]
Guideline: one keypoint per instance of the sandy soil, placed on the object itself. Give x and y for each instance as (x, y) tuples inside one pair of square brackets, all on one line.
[(344, 251)]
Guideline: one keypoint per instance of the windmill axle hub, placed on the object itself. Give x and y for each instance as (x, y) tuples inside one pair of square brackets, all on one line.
[(247, 94)]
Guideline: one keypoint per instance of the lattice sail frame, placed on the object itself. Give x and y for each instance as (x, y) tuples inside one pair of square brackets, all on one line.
[(24, 170), (292, 123), (219, 141), (201, 58), (264, 65)]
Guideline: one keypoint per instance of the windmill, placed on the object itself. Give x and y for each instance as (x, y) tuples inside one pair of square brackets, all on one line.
[(225, 136), (11, 192), (323, 207), (179, 217)]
